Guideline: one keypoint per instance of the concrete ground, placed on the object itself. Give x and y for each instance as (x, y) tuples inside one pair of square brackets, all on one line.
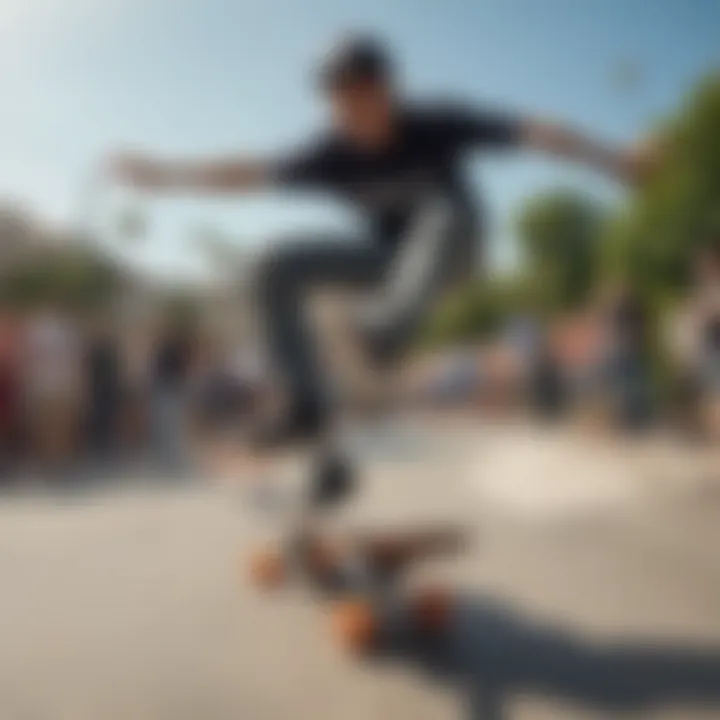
[(591, 590)]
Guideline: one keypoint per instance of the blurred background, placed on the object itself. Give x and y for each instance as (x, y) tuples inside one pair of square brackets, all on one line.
[(595, 302), (127, 346)]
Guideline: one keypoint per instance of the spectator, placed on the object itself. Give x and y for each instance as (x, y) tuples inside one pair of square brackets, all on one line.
[(52, 386), (102, 385), (624, 371), (169, 391), (135, 421), (10, 392), (705, 309), (546, 381), (542, 377)]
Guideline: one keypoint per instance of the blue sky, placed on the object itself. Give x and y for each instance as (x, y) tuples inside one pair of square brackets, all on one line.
[(83, 77)]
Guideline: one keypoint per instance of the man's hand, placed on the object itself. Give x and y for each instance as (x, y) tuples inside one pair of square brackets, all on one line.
[(209, 176), (632, 166), (638, 164)]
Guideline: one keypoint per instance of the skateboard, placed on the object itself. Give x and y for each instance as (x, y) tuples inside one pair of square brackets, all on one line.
[(359, 578)]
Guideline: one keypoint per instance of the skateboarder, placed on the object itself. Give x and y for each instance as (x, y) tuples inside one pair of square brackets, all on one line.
[(400, 162)]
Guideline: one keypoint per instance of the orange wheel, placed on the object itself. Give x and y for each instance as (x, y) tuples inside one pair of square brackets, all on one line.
[(267, 569), (432, 610), (355, 625)]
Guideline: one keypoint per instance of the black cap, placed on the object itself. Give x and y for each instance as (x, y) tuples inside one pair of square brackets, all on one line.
[(354, 58)]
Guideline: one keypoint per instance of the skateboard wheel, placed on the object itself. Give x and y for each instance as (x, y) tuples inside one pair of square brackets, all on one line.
[(355, 625), (267, 569), (432, 610)]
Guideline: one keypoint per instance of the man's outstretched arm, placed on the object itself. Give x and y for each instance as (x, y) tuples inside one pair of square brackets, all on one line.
[(630, 166), (229, 175)]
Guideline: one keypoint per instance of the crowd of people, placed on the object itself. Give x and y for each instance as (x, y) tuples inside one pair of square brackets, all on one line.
[(601, 358), (77, 390)]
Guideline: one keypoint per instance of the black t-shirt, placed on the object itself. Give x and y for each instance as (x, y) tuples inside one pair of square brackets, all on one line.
[(389, 184)]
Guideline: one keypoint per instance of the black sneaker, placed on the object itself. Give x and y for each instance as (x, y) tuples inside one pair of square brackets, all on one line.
[(333, 480), (299, 423)]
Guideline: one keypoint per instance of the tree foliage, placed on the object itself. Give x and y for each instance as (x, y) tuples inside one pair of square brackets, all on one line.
[(652, 240), (40, 266), (479, 309), (72, 278), (560, 233), (570, 243)]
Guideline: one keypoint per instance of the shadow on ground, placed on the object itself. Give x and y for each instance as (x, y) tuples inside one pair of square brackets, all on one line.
[(493, 655)]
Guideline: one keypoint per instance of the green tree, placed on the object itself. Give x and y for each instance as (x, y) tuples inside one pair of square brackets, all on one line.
[(71, 277), (652, 239), (560, 234), (480, 309)]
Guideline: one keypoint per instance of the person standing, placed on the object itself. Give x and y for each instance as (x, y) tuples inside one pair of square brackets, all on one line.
[(102, 385), (10, 393), (625, 370), (171, 368), (705, 313), (53, 389)]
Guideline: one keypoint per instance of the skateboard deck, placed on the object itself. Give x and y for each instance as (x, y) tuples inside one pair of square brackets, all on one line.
[(358, 576), (382, 551)]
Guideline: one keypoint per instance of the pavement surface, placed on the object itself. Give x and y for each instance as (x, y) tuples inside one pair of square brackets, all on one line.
[(591, 589)]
